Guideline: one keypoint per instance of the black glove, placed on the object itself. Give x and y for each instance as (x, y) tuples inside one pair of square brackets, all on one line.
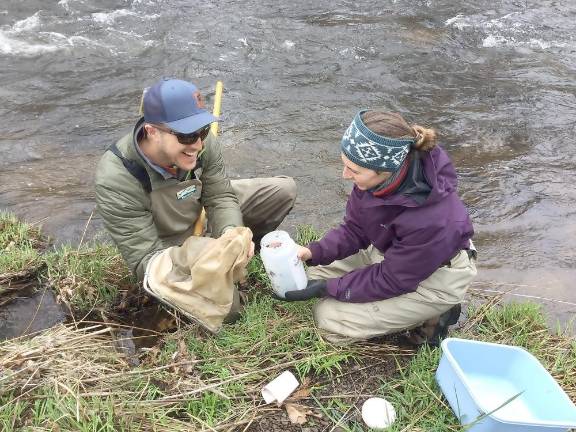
[(315, 288)]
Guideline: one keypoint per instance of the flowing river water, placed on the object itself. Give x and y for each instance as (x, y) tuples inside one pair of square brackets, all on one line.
[(497, 79)]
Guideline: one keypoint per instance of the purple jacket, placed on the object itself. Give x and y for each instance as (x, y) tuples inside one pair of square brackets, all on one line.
[(414, 238)]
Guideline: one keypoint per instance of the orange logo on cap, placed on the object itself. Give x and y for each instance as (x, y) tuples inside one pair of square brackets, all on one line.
[(199, 99)]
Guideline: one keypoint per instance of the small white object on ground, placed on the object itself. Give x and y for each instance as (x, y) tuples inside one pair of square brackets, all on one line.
[(280, 388), (378, 413)]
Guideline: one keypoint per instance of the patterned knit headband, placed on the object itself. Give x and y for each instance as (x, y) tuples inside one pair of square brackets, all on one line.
[(373, 151)]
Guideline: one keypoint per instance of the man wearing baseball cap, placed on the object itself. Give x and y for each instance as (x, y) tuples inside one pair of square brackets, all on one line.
[(152, 184)]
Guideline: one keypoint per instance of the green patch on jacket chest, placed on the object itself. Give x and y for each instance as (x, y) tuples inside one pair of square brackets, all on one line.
[(185, 193)]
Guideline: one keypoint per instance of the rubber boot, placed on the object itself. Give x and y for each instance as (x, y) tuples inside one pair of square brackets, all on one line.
[(432, 331)]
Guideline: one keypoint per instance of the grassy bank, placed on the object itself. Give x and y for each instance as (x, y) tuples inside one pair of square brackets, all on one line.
[(78, 377)]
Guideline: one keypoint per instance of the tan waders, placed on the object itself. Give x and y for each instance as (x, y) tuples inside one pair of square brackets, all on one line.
[(264, 202), (342, 322)]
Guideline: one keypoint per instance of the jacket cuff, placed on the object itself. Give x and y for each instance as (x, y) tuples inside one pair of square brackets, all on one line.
[(332, 287), (316, 254)]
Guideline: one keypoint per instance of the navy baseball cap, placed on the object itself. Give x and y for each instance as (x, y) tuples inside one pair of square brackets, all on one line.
[(172, 102)]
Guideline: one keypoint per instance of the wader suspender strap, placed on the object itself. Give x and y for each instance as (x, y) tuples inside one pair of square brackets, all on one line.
[(138, 171)]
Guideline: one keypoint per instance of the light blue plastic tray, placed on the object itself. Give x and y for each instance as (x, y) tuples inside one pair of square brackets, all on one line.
[(479, 377)]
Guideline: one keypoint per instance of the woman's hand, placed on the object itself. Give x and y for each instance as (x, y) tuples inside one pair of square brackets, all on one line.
[(303, 253)]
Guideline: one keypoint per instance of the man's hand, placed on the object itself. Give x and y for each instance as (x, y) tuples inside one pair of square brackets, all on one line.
[(303, 253), (252, 245), (315, 288)]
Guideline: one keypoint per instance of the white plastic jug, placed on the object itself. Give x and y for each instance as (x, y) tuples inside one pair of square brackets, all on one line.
[(284, 268)]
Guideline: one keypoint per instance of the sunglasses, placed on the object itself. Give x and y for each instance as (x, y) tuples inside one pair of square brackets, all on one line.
[(190, 138)]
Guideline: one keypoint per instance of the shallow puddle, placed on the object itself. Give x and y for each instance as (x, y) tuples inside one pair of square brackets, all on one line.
[(26, 315)]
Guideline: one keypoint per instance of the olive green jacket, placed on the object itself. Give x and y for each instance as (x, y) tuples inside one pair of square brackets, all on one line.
[(126, 208)]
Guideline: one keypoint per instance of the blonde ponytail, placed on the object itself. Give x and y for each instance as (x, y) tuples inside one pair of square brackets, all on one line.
[(425, 138)]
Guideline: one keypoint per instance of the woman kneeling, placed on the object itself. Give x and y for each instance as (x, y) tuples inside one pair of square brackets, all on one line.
[(403, 257)]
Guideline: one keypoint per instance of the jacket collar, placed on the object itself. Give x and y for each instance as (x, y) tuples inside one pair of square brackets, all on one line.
[(442, 181)]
